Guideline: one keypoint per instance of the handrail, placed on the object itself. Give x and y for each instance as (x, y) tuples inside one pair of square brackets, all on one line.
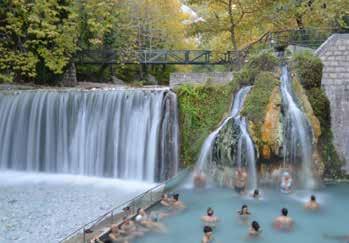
[(121, 205)]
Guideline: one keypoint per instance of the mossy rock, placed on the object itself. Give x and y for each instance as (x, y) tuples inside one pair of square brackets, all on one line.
[(307, 108), (257, 100), (263, 61), (321, 106), (201, 108), (308, 68)]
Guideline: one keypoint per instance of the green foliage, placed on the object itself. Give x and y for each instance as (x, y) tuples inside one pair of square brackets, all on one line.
[(264, 60), (201, 109), (256, 102), (6, 78), (321, 107), (36, 33), (308, 68)]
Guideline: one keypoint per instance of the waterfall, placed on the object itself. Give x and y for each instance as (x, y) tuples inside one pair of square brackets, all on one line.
[(245, 145), (126, 133), (297, 132)]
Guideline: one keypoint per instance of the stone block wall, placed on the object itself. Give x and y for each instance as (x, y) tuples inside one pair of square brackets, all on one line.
[(200, 78), (334, 54)]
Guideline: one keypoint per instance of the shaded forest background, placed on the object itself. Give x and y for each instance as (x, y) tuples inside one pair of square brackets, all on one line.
[(38, 39)]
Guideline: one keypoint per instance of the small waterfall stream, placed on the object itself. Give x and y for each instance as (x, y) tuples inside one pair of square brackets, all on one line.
[(123, 133), (245, 145), (245, 148), (297, 132)]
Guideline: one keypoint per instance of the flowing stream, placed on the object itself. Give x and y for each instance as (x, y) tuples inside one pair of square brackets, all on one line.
[(297, 132), (245, 144)]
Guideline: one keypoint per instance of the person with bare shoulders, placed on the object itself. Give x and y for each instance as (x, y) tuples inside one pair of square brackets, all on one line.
[(283, 222), (207, 238), (128, 227), (254, 230), (144, 220), (240, 181), (199, 179), (286, 183), (244, 214), (312, 204), (165, 200), (177, 204), (115, 235), (210, 219)]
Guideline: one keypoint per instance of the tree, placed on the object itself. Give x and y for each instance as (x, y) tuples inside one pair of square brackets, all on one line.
[(36, 37), (231, 17)]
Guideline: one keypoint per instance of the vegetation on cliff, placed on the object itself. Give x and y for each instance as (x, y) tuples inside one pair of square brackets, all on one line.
[(308, 69), (201, 108), (260, 71)]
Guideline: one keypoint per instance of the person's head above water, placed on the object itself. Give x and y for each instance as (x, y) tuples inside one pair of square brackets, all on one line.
[(255, 225), (312, 198), (256, 193), (207, 230), (176, 197), (284, 212), (210, 212), (244, 210)]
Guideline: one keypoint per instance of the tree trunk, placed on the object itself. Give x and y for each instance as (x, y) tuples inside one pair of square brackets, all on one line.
[(232, 25)]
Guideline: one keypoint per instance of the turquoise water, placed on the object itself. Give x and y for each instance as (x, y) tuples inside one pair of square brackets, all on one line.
[(309, 227)]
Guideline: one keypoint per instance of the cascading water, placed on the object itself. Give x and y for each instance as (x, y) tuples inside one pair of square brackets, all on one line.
[(245, 145), (108, 133), (297, 132)]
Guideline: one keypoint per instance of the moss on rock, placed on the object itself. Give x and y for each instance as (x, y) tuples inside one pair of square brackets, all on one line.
[(308, 68), (258, 62), (256, 103), (201, 108), (307, 108)]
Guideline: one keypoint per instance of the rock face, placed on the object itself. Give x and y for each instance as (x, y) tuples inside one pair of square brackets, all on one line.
[(334, 54), (271, 132), (224, 154)]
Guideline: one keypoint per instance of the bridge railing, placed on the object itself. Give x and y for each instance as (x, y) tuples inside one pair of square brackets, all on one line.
[(115, 215), (308, 37)]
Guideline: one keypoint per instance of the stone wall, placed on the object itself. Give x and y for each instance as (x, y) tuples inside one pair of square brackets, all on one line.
[(334, 54), (200, 78)]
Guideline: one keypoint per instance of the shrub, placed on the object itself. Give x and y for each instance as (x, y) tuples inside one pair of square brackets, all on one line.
[(201, 108), (308, 68), (256, 102)]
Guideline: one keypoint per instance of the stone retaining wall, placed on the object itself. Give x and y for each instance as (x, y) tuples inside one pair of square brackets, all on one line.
[(200, 78), (334, 54)]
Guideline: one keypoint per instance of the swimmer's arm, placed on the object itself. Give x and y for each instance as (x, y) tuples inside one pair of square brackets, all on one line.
[(113, 237), (96, 239), (165, 204)]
